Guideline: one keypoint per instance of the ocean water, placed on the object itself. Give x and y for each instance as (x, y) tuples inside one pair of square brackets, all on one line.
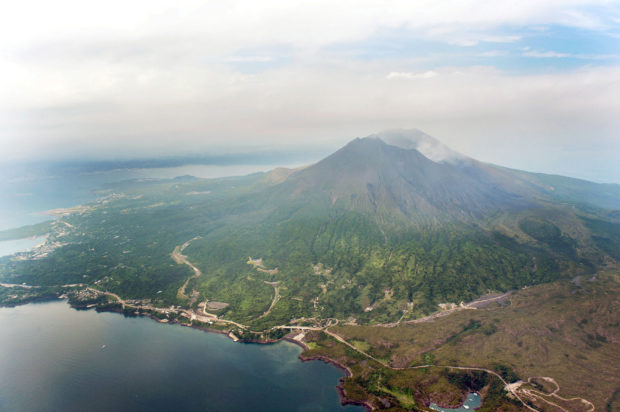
[(9, 247), (54, 358)]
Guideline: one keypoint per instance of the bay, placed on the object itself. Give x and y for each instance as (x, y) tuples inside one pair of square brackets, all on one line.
[(9, 247), (54, 358)]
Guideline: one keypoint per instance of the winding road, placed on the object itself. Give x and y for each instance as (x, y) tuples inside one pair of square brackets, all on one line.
[(178, 256), (276, 298)]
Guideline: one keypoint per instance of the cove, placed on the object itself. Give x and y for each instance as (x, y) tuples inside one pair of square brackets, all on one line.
[(9, 247), (55, 358)]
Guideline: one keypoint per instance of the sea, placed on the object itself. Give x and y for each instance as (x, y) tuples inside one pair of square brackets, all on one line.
[(55, 358)]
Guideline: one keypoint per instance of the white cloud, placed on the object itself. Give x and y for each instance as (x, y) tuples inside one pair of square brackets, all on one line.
[(99, 77), (194, 107), (493, 53), (501, 39), (546, 54), (554, 54), (408, 75), (468, 42), (308, 23), (249, 59)]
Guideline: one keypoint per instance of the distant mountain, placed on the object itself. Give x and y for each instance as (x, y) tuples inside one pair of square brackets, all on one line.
[(401, 185), (408, 177)]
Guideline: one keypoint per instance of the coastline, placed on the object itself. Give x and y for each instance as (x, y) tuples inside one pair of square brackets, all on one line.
[(342, 394)]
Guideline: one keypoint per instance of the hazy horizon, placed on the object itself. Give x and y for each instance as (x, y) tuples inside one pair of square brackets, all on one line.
[(533, 85), (247, 160)]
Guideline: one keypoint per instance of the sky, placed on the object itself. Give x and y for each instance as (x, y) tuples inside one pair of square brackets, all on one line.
[(529, 84)]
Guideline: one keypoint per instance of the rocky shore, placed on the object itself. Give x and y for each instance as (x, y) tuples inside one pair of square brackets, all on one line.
[(344, 400)]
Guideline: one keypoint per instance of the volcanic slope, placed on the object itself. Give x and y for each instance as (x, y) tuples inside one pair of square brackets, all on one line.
[(386, 228)]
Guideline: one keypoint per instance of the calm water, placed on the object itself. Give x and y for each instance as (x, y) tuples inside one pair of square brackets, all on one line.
[(8, 247), (472, 402), (54, 358)]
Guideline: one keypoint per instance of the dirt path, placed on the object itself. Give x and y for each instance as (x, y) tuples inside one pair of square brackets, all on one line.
[(512, 388), (463, 306), (293, 327), (202, 316), (533, 393), (114, 295), (276, 298), (343, 341), (398, 322), (189, 313), (178, 256)]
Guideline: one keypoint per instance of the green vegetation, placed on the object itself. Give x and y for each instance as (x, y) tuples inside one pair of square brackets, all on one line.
[(26, 231), (13, 296), (347, 248)]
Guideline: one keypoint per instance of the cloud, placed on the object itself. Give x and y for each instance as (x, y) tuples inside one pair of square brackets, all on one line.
[(408, 75), (84, 78), (249, 59), (469, 42), (473, 39), (554, 54), (316, 23), (502, 39), (546, 54), (493, 53), (180, 108)]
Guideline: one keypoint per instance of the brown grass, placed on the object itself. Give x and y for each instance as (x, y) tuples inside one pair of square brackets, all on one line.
[(569, 333)]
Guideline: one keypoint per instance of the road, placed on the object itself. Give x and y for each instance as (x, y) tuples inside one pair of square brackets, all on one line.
[(533, 393), (178, 256), (276, 298), (462, 306), (514, 388)]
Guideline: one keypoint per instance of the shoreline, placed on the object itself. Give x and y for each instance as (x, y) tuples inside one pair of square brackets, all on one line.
[(342, 394)]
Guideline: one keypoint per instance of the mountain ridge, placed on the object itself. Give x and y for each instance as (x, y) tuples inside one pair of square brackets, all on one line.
[(341, 171)]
